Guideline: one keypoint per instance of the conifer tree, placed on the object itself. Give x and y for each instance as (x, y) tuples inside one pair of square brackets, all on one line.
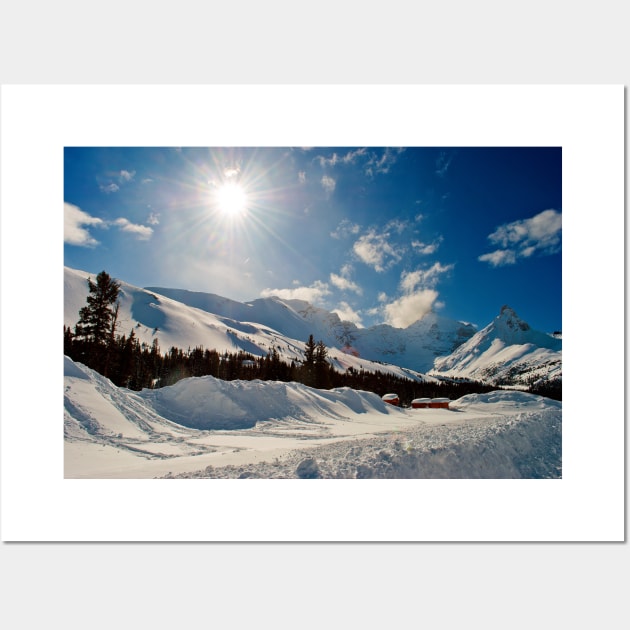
[(322, 377), (97, 320), (308, 366)]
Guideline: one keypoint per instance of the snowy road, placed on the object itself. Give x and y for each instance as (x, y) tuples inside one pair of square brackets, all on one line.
[(287, 430)]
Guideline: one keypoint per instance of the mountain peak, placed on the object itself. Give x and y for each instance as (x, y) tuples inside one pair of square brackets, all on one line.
[(509, 317)]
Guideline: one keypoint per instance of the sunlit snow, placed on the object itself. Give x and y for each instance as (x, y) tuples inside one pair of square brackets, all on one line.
[(205, 427)]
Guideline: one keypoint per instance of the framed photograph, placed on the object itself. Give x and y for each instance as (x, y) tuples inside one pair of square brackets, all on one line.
[(336, 316)]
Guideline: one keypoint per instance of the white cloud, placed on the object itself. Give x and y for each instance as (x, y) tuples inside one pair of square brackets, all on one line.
[(328, 183), (349, 158), (142, 232), (312, 294), (410, 308), (126, 176), (346, 228), (343, 282), (154, 219), (540, 235), (374, 249), (499, 258), (109, 188), (302, 177), (419, 296), (327, 162), (231, 171), (381, 165), (396, 225), (423, 277), (348, 314), (426, 248), (75, 221), (442, 163)]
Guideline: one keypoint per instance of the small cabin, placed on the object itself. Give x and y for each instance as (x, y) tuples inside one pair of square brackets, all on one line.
[(392, 399), (439, 403), (420, 403)]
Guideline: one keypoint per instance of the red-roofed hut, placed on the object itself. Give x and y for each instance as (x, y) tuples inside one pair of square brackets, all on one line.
[(392, 399), (420, 403), (439, 403)]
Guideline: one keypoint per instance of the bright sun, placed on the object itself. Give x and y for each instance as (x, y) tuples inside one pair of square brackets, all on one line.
[(231, 199)]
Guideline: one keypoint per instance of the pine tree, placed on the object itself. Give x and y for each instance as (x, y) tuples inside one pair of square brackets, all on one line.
[(322, 375), (97, 321), (308, 366)]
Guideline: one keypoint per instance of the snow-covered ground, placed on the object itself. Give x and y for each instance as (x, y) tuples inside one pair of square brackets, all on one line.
[(204, 427)]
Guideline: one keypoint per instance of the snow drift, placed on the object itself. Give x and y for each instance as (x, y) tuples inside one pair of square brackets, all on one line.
[(204, 427)]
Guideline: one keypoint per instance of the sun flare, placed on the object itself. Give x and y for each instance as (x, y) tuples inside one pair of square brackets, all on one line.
[(231, 199)]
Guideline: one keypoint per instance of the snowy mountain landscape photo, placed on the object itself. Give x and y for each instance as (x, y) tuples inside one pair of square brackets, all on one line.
[(313, 313)]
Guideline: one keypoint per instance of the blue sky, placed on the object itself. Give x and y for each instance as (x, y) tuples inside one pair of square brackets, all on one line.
[(378, 235)]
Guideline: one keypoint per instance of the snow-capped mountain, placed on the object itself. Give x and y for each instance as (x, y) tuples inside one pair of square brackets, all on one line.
[(414, 348), (256, 327), (507, 351)]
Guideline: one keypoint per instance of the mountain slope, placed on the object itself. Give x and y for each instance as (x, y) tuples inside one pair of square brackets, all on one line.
[(414, 348), (152, 315), (507, 351)]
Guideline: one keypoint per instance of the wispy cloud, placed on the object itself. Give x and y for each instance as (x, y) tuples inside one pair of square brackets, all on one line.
[(231, 171), (346, 228), (302, 177), (443, 162), (333, 160), (109, 188), (424, 278), (396, 225), (76, 222), (154, 218), (499, 257), (328, 183), (426, 248), (313, 293), (343, 282), (113, 181), (540, 235), (374, 249), (141, 232), (380, 164), (371, 161)]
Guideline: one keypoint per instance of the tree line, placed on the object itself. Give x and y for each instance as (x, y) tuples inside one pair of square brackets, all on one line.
[(136, 365)]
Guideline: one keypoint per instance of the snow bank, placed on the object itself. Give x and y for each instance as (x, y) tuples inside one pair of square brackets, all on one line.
[(525, 446), (209, 403), (205, 427), (504, 399)]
